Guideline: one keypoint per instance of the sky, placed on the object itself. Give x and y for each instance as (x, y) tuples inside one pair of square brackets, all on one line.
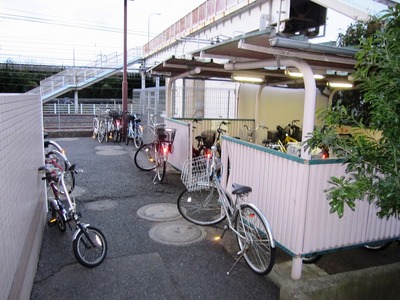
[(76, 32)]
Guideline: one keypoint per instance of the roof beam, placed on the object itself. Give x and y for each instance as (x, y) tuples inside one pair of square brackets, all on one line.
[(290, 53)]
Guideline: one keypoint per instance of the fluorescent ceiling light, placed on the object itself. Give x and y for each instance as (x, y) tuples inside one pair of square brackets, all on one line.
[(300, 75), (345, 85), (248, 78)]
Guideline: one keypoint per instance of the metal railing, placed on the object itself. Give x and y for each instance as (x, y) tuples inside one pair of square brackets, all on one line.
[(83, 109), (206, 13), (80, 77)]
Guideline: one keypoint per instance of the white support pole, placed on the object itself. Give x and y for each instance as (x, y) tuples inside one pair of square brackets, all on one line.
[(297, 266), (168, 97), (257, 106), (76, 101), (257, 110)]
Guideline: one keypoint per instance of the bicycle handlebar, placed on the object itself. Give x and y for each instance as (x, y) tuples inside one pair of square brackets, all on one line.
[(224, 123)]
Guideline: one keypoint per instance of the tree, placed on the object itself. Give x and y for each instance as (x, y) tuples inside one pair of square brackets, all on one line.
[(372, 153)]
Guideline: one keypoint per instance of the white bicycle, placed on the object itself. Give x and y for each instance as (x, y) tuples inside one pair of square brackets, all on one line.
[(135, 130), (205, 202)]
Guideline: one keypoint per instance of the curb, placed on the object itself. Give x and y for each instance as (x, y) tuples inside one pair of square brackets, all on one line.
[(372, 283)]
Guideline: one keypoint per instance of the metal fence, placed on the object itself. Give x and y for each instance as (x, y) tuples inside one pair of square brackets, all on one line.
[(187, 102)]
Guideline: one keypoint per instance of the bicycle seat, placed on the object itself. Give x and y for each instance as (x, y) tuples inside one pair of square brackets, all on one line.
[(49, 170), (200, 138), (46, 168), (239, 189)]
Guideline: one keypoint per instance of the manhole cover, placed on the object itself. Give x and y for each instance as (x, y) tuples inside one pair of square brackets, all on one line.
[(177, 233), (159, 212), (101, 205)]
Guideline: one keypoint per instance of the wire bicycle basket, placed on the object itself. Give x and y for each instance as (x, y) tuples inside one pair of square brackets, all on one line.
[(196, 173)]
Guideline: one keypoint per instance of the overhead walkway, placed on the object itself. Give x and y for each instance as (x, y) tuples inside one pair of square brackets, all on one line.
[(77, 78)]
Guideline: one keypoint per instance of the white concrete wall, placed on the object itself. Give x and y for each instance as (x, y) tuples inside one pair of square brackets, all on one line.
[(22, 204)]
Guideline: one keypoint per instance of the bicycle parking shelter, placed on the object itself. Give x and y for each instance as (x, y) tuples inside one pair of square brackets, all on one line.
[(288, 189)]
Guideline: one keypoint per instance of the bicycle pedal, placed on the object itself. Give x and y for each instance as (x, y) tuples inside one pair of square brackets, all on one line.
[(52, 222)]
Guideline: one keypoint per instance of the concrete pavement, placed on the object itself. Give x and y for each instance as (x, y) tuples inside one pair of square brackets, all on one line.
[(154, 254)]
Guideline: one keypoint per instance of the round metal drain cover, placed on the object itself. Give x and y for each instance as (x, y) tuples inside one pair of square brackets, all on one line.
[(110, 150), (159, 212), (177, 233), (101, 205)]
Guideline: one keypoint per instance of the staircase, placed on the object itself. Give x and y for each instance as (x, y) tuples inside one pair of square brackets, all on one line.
[(76, 78)]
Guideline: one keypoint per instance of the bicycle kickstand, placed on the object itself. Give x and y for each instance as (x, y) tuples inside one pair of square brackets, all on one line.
[(226, 227), (240, 253), (155, 181)]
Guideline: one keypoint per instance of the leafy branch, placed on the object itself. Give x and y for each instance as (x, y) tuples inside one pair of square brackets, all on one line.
[(372, 151)]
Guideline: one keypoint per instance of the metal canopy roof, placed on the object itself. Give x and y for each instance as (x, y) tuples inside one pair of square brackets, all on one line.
[(332, 62)]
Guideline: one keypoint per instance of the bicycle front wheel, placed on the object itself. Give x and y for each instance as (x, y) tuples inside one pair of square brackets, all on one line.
[(201, 207), (255, 239), (102, 132), (138, 139), (90, 247), (145, 157)]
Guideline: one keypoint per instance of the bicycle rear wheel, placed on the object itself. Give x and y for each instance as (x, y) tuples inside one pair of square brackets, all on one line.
[(127, 138), (201, 207), (145, 157), (57, 217), (257, 242), (90, 247), (161, 166), (116, 136)]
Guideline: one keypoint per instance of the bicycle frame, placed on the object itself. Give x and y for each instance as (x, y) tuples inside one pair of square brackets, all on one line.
[(52, 180), (134, 130), (71, 214), (230, 207)]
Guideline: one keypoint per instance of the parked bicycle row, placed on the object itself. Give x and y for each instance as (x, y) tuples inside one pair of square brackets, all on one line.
[(286, 139), (108, 125)]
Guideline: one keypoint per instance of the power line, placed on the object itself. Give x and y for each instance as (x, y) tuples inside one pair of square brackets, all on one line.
[(93, 26)]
